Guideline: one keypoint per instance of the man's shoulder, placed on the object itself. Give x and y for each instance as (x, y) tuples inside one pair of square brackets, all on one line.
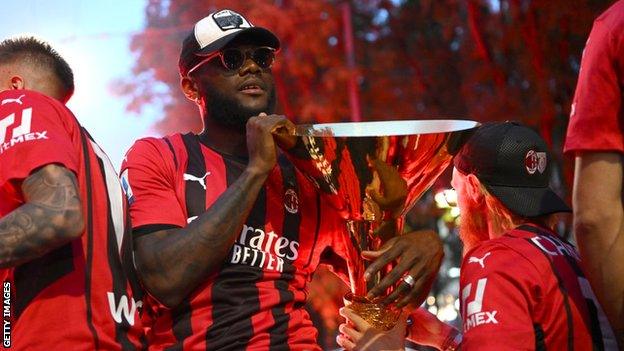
[(612, 18), (23, 99), (508, 252), (165, 143), (151, 150)]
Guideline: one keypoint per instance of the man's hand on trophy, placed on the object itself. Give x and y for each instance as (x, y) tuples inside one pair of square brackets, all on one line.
[(419, 255)]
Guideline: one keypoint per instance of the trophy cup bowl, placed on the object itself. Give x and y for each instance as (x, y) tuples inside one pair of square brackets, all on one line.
[(372, 173)]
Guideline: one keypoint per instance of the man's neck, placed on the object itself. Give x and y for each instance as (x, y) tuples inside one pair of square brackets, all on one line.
[(224, 140), (499, 225)]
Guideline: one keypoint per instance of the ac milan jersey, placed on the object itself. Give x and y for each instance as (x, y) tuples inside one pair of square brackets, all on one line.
[(596, 118), (255, 301), (79, 296), (526, 291)]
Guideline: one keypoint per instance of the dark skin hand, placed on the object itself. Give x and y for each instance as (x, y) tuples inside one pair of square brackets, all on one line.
[(419, 254), (50, 217)]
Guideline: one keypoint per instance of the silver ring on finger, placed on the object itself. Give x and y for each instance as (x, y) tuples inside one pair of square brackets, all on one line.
[(409, 280)]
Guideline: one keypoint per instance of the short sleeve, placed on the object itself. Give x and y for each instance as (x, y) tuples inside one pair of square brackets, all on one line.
[(34, 131), (498, 288), (596, 116), (148, 177)]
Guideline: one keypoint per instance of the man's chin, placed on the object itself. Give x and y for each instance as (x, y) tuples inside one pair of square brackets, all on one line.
[(253, 103)]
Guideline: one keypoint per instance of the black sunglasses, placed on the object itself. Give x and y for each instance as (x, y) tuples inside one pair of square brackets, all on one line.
[(234, 58)]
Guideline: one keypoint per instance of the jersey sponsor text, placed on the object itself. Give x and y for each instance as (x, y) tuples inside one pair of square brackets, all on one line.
[(257, 248), (474, 315)]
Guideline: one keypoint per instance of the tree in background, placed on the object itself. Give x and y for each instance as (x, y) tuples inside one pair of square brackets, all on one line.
[(479, 59), (476, 59)]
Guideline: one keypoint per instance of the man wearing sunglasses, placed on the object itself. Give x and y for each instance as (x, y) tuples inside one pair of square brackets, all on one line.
[(228, 232)]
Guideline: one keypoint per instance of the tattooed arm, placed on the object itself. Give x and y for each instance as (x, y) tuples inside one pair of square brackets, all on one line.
[(50, 217), (173, 262)]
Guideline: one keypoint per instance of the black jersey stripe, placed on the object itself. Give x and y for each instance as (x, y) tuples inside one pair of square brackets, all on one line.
[(127, 259), (593, 325), (316, 230), (175, 157), (34, 276), (195, 198), (290, 230), (84, 135), (114, 263), (234, 292), (564, 292), (540, 343), (196, 167)]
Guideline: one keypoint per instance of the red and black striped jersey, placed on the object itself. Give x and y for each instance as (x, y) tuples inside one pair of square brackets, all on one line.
[(83, 295), (255, 301), (526, 291)]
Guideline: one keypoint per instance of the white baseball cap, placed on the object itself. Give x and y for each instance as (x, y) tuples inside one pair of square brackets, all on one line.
[(213, 32)]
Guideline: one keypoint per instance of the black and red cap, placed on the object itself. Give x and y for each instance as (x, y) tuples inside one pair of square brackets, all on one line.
[(513, 163)]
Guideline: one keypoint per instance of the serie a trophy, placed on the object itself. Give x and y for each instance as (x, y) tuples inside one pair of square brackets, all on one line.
[(372, 173)]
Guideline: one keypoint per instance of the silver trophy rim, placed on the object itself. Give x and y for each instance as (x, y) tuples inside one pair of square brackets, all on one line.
[(384, 128)]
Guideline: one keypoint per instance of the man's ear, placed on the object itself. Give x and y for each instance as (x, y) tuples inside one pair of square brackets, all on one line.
[(473, 188), (17, 82), (190, 89)]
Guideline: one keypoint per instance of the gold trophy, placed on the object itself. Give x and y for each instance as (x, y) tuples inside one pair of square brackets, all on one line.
[(372, 173)]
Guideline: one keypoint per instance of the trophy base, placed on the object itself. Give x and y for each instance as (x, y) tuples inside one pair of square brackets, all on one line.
[(380, 316)]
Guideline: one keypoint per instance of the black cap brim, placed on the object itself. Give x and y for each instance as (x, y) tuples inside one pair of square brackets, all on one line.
[(261, 36), (529, 202)]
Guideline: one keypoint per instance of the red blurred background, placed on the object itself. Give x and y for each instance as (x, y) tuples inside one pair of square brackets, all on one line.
[(381, 60)]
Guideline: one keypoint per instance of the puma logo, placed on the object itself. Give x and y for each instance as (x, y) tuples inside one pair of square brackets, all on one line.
[(473, 259), (18, 100), (201, 181)]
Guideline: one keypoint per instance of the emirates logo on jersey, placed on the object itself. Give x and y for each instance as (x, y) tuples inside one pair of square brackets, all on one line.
[(291, 201), (263, 249), (535, 161)]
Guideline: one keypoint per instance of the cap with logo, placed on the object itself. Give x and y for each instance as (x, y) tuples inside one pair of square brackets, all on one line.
[(214, 32), (513, 163)]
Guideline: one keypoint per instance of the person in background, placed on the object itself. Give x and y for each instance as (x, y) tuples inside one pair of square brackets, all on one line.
[(521, 285), (227, 232), (595, 138), (65, 245)]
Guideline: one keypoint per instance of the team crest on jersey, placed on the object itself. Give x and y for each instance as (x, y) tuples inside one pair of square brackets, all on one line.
[(291, 201), (535, 161), (125, 185)]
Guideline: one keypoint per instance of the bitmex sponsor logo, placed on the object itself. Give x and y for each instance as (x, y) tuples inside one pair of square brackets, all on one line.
[(20, 133), (474, 315), (257, 248), (6, 314)]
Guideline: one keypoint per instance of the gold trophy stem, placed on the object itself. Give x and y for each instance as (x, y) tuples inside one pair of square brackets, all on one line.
[(362, 237)]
